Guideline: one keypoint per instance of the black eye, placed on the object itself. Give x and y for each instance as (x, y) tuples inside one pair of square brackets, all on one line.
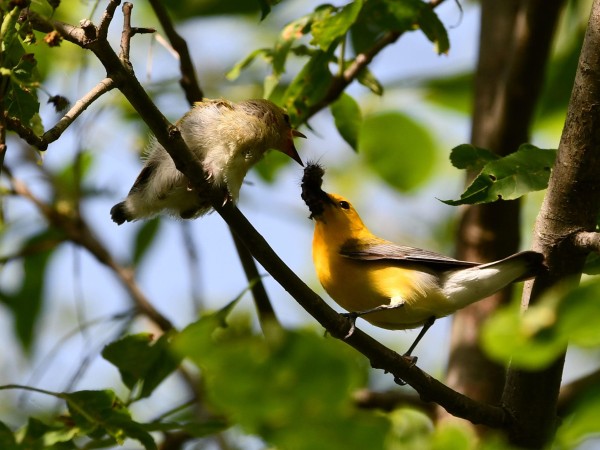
[(344, 204), (286, 117)]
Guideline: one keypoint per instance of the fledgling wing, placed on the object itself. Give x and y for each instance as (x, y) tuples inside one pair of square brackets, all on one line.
[(381, 250)]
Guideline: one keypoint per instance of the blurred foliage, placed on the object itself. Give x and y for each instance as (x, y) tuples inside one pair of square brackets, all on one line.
[(410, 166), (294, 388)]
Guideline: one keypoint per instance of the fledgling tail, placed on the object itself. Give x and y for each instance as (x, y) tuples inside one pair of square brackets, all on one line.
[(119, 214)]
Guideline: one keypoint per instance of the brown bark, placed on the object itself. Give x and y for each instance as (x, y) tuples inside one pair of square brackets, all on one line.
[(515, 42), (571, 205)]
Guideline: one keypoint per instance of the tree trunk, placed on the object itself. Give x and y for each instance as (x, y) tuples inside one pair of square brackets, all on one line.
[(515, 42), (572, 204)]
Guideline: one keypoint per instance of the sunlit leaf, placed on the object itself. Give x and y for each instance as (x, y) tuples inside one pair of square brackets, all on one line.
[(316, 376), (469, 157), (528, 341), (379, 17), (334, 23), (526, 170), (347, 118), (567, 314), (234, 73), (309, 87), (398, 149)]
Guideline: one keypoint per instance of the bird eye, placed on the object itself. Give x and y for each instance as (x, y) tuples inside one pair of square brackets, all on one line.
[(344, 204), (286, 117)]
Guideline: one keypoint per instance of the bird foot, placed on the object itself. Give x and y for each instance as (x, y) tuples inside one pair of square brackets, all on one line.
[(411, 360), (399, 381), (352, 316)]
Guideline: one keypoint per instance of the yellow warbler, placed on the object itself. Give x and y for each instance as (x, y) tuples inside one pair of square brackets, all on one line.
[(394, 286), (228, 137)]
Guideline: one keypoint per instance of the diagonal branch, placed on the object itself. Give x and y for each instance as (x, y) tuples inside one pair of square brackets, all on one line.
[(189, 81), (188, 163), (77, 231)]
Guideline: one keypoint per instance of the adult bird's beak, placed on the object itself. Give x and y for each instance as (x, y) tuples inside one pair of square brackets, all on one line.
[(296, 133), (290, 148)]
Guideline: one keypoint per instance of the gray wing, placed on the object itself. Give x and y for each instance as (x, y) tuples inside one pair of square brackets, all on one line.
[(380, 250)]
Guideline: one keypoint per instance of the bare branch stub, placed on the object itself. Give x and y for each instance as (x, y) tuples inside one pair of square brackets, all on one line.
[(107, 17), (81, 105)]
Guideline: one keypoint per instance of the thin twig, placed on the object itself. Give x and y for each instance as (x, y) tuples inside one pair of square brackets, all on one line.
[(264, 308), (80, 106), (25, 133), (189, 81), (193, 92), (77, 231), (107, 17)]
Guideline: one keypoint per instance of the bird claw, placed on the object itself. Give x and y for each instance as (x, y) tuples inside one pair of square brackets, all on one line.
[(399, 381), (352, 316), (411, 360)]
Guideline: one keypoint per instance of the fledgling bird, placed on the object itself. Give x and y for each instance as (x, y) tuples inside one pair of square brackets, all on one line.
[(229, 138), (394, 286)]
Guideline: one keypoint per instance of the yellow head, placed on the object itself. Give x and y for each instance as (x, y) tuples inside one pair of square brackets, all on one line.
[(338, 222)]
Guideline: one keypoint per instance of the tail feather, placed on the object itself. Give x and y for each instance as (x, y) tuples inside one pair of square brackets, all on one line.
[(119, 214), (532, 263), (465, 286)]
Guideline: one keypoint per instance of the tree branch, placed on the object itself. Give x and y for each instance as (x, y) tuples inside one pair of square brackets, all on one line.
[(340, 82), (77, 231), (571, 204), (588, 241), (188, 163), (80, 106), (189, 81)]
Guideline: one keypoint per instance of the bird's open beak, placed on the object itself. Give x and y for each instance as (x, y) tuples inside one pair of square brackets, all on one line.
[(296, 133), (290, 148)]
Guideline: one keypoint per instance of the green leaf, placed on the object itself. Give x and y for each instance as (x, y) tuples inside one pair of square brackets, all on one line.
[(140, 360), (333, 23), (582, 423), (145, 238), (378, 17), (564, 315), (315, 376), (367, 79), (434, 29), (453, 92), (234, 73), (309, 87), (398, 149), (525, 340), (347, 118), (7, 438), (526, 170), (291, 32), (265, 7), (102, 412), (469, 157), (26, 303)]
